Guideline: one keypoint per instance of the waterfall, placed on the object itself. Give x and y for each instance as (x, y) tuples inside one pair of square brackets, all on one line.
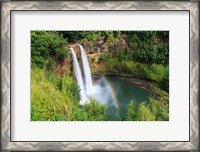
[(87, 72), (79, 77)]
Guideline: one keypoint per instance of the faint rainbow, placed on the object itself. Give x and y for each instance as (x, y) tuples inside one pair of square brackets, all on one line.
[(113, 93)]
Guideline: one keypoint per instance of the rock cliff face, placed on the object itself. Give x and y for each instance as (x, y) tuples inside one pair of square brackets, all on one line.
[(103, 45), (93, 51), (76, 50), (65, 65)]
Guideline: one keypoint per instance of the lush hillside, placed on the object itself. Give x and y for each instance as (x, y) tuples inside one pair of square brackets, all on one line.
[(55, 93)]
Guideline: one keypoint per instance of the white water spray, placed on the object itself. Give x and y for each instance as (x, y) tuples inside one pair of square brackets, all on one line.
[(99, 92), (79, 77), (87, 72)]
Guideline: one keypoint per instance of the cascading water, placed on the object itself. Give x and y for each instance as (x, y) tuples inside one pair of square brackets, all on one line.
[(87, 72), (100, 92), (79, 77)]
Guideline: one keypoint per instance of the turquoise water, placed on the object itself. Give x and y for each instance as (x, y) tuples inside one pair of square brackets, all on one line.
[(118, 94)]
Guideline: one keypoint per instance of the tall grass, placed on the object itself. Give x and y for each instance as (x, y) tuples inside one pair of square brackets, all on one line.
[(57, 99), (47, 103)]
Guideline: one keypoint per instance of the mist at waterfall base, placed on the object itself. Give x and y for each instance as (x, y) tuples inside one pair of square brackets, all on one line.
[(111, 91)]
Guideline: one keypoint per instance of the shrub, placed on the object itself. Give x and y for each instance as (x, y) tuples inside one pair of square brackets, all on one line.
[(131, 111), (144, 113), (104, 57), (96, 110), (46, 45)]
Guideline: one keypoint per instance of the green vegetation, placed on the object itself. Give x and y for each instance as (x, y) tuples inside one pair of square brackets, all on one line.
[(151, 47), (56, 99), (47, 46), (157, 73), (142, 46), (135, 54)]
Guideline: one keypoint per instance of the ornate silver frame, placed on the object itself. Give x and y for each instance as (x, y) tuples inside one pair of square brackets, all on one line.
[(8, 6)]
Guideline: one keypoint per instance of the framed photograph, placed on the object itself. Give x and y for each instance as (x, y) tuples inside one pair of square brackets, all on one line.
[(104, 75)]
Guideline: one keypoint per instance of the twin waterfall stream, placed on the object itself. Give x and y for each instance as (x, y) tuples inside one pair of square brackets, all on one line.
[(85, 84)]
